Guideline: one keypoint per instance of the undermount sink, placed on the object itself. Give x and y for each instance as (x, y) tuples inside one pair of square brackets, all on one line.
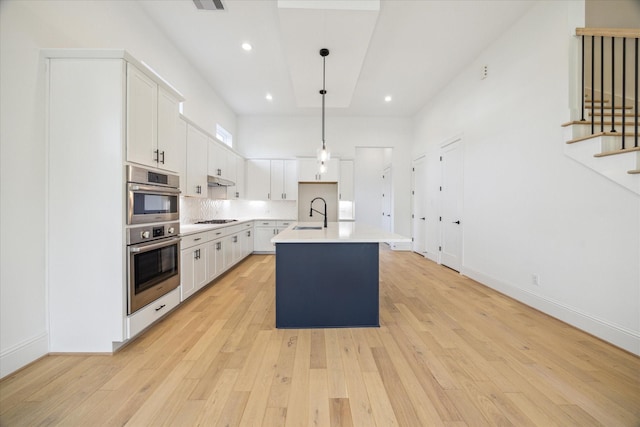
[(307, 227)]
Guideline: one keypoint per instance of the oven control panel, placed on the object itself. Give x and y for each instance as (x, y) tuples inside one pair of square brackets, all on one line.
[(148, 233)]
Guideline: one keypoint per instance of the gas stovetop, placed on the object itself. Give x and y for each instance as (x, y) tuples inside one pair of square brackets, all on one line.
[(216, 221)]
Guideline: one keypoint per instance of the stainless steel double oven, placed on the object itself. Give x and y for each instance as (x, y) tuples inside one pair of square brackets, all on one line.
[(153, 229)]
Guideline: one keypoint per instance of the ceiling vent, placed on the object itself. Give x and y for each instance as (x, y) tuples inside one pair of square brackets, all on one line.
[(209, 4)]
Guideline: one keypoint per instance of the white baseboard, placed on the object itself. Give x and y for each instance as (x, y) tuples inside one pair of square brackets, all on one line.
[(24, 353), (619, 336)]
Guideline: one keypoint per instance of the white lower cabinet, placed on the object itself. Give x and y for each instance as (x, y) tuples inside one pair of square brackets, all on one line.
[(264, 232), (193, 269), (144, 317), (247, 241), (206, 255)]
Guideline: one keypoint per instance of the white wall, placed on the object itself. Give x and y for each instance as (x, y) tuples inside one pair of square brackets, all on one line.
[(292, 136), (529, 209), (25, 27)]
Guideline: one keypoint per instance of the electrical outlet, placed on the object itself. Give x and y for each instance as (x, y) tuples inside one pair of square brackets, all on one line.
[(535, 280)]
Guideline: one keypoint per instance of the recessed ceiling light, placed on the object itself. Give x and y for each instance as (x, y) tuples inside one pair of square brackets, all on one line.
[(269, 97), (387, 98), (247, 46)]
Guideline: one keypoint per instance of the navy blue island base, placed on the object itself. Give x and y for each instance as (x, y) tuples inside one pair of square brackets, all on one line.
[(327, 285)]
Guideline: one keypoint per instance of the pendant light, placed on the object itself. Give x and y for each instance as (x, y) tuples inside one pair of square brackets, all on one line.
[(323, 153)]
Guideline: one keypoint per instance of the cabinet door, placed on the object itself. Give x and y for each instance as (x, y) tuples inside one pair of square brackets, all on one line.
[(215, 259), (171, 148), (333, 171), (142, 118), (212, 272), (193, 274), (217, 158), (227, 249), (290, 179), (258, 179), (247, 242), (308, 170), (236, 248), (346, 180), (277, 180), (196, 163), (230, 166), (262, 239), (238, 190)]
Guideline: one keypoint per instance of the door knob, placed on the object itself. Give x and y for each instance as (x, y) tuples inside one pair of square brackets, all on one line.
[(457, 222)]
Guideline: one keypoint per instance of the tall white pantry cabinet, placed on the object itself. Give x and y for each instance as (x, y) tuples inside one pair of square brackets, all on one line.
[(88, 123)]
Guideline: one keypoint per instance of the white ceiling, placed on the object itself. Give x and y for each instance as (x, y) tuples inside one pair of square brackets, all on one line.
[(408, 49)]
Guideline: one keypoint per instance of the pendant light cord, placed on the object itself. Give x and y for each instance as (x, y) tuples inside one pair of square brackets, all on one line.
[(324, 59)]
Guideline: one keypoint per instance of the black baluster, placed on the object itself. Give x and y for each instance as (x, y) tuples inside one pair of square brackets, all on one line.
[(593, 88), (613, 86), (582, 119), (635, 109), (624, 88), (601, 83)]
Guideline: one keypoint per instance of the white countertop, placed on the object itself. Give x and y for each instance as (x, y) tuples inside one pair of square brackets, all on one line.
[(337, 232), (186, 229)]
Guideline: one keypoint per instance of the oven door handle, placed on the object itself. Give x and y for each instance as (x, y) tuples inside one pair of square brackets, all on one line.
[(149, 247), (153, 189)]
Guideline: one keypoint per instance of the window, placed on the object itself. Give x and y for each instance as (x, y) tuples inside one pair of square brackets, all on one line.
[(223, 135)]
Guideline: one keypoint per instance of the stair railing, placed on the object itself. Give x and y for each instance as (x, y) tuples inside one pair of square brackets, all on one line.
[(617, 36)]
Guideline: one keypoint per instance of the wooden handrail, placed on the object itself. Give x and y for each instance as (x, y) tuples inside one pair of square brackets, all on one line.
[(609, 32)]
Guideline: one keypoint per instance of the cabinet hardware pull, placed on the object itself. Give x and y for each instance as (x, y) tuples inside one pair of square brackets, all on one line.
[(161, 307), (235, 239), (268, 195), (197, 238), (162, 161), (155, 153), (218, 233), (219, 172), (218, 246)]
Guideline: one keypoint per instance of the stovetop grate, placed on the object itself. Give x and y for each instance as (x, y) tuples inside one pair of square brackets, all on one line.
[(216, 221)]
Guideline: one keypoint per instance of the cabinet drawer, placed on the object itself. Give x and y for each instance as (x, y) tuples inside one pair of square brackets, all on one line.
[(146, 316), (219, 232), (195, 239), (265, 223)]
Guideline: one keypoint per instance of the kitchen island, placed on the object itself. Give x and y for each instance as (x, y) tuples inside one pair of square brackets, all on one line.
[(329, 277)]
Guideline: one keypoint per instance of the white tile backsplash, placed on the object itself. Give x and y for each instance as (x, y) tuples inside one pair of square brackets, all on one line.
[(194, 209)]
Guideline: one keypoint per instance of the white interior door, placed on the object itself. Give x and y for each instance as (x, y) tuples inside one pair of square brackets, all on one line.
[(451, 205), (419, 203), (386, 200)]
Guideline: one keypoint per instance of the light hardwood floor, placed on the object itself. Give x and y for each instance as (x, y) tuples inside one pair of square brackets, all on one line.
[(449, 352)]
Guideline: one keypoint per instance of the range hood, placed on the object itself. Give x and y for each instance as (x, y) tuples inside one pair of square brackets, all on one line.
[(216, 181)]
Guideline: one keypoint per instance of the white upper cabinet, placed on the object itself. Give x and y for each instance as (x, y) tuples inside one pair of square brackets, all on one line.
[(290, 183), (272, 179), (222, 161), (197, 145), (308, 170), (258, 179), (172, 148), (152, 120), (277, 180), (346, 180), (238, 191)]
